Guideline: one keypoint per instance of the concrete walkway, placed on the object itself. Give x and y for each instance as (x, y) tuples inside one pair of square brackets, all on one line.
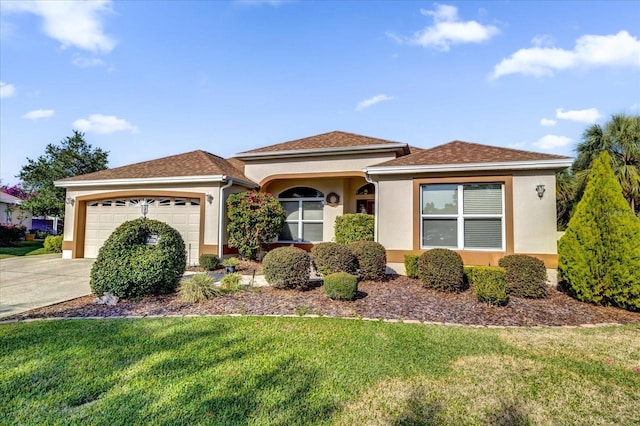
[(28, 282)]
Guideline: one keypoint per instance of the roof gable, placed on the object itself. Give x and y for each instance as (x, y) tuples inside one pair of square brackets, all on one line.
[(336, 140), (194, 163), (459, 152)]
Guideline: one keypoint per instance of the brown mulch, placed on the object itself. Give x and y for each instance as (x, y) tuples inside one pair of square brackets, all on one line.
[(398, 297)]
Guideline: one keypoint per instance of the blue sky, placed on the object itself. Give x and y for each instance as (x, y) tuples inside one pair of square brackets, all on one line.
[(148, 79)]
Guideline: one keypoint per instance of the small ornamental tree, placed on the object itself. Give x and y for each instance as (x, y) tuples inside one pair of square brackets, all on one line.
[(599, 254), (255, 220), (350, 228)]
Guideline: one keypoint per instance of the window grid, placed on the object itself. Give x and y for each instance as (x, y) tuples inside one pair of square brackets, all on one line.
[(460, 219), (300, 220)]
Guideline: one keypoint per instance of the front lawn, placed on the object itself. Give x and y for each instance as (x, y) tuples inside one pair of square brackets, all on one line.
[(286, 371), (24, 248)]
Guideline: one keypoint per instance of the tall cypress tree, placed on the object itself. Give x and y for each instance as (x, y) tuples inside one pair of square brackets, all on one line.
[(599, 255)]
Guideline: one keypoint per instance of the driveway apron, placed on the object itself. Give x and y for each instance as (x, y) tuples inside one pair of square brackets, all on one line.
[(28, 282)]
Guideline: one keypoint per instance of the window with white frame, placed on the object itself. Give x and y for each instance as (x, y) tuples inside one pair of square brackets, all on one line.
[(463, 216), (304, 211)]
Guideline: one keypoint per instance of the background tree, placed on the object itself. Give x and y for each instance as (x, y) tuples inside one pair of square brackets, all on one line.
[(620, 137), (73, 157), (599, 254), (565, 197), (255, 220)]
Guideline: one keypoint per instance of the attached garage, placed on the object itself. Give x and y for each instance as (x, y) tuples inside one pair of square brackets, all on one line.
[(104, 216)]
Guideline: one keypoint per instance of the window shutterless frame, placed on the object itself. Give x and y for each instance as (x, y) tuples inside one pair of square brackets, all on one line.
[(468, 216)]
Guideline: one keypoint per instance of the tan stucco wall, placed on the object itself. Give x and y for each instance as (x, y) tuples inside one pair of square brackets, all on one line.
[(534, 219), (395, 214), (259, 170)]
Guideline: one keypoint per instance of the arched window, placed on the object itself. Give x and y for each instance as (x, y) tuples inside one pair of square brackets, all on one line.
[(365, 199), (367, 189), (304, 209)]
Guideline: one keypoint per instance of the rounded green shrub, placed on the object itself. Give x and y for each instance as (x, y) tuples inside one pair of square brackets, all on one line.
[(442, 269), (128, 267), (526, 276), (372, 259), (287, 267), (53, 244), (490, 285), (341, 286), (411, 265), (333, 257), (352, 227), (209, 261), (197, 288)]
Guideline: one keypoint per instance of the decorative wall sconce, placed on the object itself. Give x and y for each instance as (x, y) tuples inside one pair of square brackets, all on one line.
[(69, 201), (210, 198), (540, 190), (144, 208)]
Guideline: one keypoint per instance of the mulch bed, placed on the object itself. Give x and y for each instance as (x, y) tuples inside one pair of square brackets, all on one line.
[(398, 297)]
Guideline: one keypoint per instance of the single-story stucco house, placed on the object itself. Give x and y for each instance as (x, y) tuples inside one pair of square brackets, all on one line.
[(11, 211), (483, 201)]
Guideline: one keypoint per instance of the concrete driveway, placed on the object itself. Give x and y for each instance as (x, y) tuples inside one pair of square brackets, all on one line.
[(28, 282)]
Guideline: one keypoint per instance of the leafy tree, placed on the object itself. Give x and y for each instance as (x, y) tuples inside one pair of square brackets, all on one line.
[(599, 255), (16, 191), (255, 220), (620, 137), (73, 157)]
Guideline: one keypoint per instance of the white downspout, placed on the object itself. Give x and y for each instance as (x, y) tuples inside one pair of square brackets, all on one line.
[(375, 206), (221, 217)]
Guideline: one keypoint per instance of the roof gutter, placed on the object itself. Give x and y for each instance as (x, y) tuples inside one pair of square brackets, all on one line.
[(555, 164), (221, 218), (154, 180), (375, 205), (322, 151)]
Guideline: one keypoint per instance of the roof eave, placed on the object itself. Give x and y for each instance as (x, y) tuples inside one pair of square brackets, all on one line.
[(390, 147), (154, 180), (555, 164)]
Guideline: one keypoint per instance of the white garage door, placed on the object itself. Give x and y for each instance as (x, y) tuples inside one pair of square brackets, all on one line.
[(104, 216)]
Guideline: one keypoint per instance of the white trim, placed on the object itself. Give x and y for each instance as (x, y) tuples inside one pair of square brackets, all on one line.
[(321, 151), (464, 167), (155, 180)]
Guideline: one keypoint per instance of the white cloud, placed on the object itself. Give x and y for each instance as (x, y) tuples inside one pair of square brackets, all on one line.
[(84, 62), (72, 23), (547, 122), (39, 113), (590, 51), (7, 90), (551, 142), (590, 115), (448, 29), (99, 123), (543, 40), (372, 101)]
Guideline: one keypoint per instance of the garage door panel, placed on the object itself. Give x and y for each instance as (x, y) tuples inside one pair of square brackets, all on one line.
[(101, 221)]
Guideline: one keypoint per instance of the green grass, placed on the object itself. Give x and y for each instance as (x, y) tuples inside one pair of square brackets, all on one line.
[(25, 248), (289, 371)]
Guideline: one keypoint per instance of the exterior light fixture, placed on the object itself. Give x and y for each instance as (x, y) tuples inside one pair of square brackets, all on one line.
[(144, 207), (69, 201), (540, 190), (210, 198)]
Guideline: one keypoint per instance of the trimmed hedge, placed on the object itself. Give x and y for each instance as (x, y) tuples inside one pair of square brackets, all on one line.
[(442, 269), (53, 244), (352, 227), (287, 267), (411, 265), (333, 257), (341, 286), (372, 259), (209, 262), (129, 268), (11, 235), (490, 285), (526, 276)]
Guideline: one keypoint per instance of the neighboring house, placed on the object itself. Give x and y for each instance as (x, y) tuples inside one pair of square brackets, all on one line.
[(482, 201), (11, 213)]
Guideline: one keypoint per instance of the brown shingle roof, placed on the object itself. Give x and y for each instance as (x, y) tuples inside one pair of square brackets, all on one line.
[(458, 152), (323, 141), (194, 163)]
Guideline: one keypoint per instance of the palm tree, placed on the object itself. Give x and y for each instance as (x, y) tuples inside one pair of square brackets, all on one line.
[(621, 138), (565, 197)]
